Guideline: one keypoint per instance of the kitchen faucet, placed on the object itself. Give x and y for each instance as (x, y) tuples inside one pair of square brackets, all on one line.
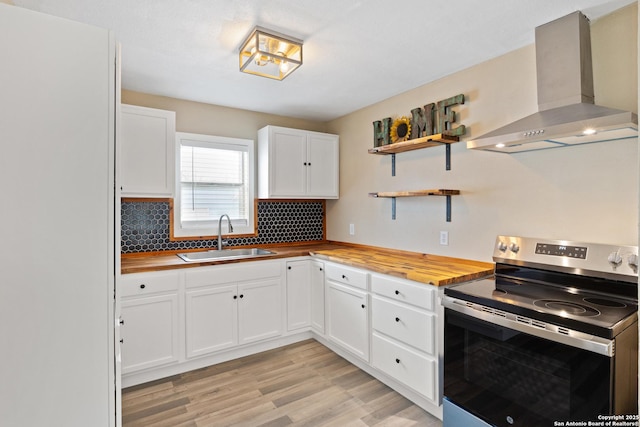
[(220, 229)]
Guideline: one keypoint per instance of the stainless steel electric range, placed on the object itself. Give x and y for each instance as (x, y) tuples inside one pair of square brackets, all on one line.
[(552, 338)]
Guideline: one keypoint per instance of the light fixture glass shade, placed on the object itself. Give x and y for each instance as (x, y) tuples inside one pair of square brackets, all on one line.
[(269, 54)]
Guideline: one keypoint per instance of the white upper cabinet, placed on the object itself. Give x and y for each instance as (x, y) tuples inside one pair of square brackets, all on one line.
[(295, 163), (147, 141)]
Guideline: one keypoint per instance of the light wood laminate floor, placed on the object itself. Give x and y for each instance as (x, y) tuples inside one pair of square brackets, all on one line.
[(303, 384)]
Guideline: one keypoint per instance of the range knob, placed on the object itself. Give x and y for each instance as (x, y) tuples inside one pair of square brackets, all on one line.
[(633, 260), (615, 258), (514, 248), (502, 246)]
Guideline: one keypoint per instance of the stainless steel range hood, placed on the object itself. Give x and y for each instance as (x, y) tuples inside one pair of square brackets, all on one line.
[(566, 112)]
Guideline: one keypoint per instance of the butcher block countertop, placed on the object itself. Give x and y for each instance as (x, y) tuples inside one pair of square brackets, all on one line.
[(431, 269)]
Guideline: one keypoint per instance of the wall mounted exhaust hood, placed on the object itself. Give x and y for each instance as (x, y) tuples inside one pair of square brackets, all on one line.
[(566, 112)]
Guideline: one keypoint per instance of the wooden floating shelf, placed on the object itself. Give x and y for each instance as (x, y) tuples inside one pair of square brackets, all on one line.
[(415, 144), (436, 140), (416, 193)]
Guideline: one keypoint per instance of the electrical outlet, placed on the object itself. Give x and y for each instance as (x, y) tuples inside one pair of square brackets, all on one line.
[(444, 238), (352, 229)]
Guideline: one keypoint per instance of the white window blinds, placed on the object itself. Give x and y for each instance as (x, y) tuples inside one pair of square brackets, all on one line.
[(214, 179)]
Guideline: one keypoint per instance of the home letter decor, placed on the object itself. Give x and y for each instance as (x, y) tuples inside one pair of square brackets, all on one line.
[(446, 116), (433, 118), (381, 130)]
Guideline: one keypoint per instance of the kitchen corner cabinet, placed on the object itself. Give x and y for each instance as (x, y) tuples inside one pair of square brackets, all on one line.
[(295, 163), (226, 306), (348, 309), (298, 294), (305, 295), (147, 152), (150, 312), (317, 296)]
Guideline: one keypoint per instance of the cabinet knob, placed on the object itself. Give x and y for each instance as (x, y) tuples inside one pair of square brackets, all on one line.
[(363, 305), (121, 321), (309, 164), (397, 292), (241, 295), (142, 286), (121, 340), (320, 268), (397, 319), (305, 163), (235, 297), (397, 360), (345, 277), (289, 268)]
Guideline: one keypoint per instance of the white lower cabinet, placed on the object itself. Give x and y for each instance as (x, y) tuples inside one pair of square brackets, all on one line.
[(317, 296), (298, 294), (408, 366), (388, 326), (348, 309), (221, 313), (149, 315), (404, 333), (305, 295)]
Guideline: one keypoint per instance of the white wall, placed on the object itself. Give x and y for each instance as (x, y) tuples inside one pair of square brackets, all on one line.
[(585, 193)]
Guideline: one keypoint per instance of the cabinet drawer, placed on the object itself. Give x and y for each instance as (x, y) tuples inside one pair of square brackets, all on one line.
[(148, 283), (405, 365), (232, 273), (404, 323), (420, 295), (347, 275)]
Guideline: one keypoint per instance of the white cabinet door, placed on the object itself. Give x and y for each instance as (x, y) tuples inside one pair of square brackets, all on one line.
[(212, 319), (259, 310), (287, 163), (298, 295), (348, 318), (322, 165), (149, 332), (294, 163), (147, 141), (317, 296)]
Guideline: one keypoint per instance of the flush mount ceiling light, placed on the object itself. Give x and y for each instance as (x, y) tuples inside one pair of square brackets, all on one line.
[(270, 54)]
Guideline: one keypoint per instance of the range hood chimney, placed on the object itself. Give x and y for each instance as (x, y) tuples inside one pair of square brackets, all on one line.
[(566, 111)]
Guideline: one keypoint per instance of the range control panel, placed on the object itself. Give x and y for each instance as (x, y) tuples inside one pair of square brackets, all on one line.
[(616, 262), (562, 250)]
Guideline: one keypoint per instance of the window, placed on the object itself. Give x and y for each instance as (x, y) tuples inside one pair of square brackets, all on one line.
[(215, 176)]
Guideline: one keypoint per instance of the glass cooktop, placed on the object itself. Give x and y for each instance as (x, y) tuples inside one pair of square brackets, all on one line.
[(594, 313)]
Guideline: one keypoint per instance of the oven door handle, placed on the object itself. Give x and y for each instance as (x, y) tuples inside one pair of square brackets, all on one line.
[(536, 328)]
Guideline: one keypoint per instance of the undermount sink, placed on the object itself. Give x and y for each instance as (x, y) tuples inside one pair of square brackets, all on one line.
[(224, 254)]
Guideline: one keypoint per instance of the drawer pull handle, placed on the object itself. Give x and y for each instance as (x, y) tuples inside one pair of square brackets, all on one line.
[(397, 319), (397, 292), (142, 286), (397, 360)]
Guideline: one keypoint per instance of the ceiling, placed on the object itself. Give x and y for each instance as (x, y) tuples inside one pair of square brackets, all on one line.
[(356, 52)]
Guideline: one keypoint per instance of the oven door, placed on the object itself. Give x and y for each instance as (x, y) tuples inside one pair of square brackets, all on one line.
[(510, 378)]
